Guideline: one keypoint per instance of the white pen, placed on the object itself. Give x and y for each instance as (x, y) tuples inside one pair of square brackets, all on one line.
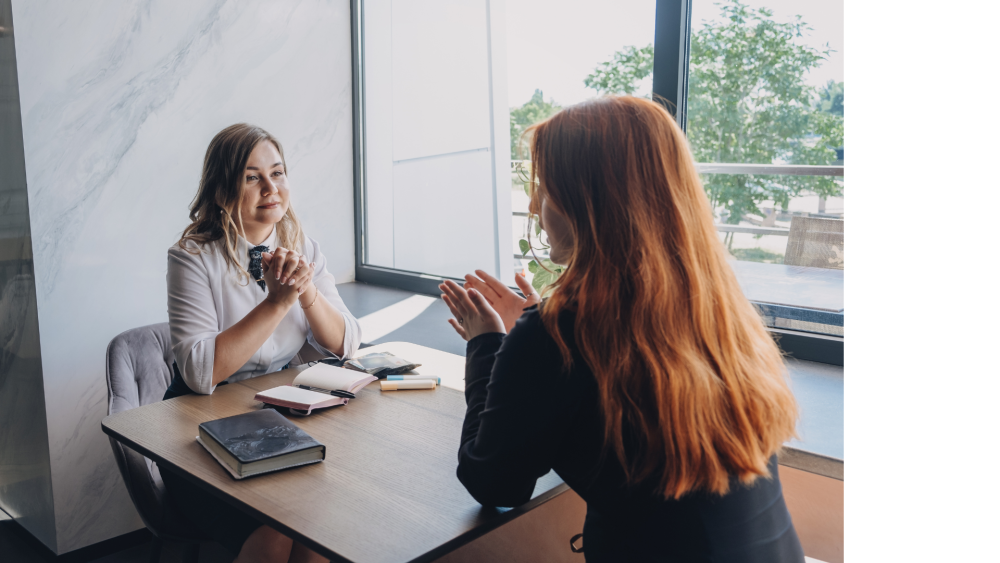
[(412, 384), (414, 378)]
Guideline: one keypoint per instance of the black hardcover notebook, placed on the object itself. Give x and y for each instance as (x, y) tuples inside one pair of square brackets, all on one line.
[(258, 442)]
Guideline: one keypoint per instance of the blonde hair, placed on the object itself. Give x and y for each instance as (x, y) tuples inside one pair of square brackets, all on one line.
[(215, 210), (695, 384)]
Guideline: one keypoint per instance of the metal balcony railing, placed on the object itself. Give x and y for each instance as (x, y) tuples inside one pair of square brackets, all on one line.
[(519, 168)]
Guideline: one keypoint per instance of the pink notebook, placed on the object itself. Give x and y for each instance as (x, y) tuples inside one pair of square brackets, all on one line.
[(319, 377)]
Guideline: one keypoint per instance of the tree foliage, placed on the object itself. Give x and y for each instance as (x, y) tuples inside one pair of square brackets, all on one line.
[(831, 98), (534, 110), (748, 102), (623, 73)]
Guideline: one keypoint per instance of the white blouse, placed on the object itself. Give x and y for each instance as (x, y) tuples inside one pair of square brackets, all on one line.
[(204, 298)]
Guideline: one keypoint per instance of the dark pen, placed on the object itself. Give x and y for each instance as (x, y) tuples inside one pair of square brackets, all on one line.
[(334, 392)]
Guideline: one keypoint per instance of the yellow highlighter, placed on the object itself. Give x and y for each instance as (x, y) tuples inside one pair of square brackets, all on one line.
[(410, 384)]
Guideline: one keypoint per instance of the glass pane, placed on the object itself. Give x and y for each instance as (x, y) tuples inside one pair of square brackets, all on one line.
[(560, 53), (431, 153), (766, 86)]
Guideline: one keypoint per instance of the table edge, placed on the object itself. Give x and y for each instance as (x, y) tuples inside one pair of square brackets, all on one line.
[(439, 551), (812, 462)]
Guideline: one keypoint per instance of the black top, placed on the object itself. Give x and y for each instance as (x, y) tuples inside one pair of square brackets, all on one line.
[(526, 416)]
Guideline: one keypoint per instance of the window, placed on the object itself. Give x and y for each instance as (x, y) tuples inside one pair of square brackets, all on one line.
[(559, 57), (765, 118), (445, 87), (431, 141)]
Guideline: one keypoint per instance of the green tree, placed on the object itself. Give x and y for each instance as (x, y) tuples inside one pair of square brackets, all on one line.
[(831, 98), (748, 102), (534, 110), (622, 74)]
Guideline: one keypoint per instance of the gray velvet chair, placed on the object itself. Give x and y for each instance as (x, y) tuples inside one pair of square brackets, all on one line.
[(139, 371)]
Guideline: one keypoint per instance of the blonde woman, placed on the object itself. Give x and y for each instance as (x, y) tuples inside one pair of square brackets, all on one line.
[(646, 380), (246, 290)]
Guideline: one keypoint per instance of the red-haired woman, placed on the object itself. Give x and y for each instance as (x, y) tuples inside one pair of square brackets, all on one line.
[(646, 380)]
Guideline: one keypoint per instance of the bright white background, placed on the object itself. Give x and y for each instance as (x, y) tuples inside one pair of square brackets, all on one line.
[(553, 44), (922, 374)]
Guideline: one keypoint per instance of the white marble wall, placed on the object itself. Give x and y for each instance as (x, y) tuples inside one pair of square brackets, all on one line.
[(119, 100)]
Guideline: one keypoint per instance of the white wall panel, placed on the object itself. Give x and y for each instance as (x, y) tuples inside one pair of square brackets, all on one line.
[(444, 205), (440, 77), (443, 95)]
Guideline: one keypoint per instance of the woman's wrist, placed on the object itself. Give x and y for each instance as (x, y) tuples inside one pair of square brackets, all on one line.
[(308, 297), (283, 304)]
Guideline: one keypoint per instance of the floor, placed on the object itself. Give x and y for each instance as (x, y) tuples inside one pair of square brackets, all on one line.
[(391, 315), (209, 552), (14, 548)]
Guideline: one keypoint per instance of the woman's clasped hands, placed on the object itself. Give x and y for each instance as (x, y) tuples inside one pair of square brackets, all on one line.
[(287, 274), (483, 304)]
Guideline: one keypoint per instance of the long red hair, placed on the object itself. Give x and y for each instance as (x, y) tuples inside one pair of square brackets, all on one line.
[(684, 364)]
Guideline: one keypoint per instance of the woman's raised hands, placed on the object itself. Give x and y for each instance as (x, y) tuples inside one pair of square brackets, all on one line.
[(486, 305), (473, 314), (287, 274), (508, 304)]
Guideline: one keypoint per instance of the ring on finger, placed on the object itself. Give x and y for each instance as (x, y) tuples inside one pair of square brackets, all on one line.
[(460, 321)]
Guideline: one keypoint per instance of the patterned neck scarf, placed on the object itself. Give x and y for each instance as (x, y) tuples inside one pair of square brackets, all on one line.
[(255, 268)]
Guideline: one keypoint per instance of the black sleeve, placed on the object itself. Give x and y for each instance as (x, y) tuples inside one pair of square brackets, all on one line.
[(517, 406)]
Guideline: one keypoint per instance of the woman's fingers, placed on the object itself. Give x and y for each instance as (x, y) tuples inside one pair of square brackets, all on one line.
[(291, 263), (285, 264), (480, 303), (486, 319), (483, 308), (472, 281), (451, 307), (523, 284), (300, 272), (458, 328), (458, 302), (532, 300), (278, 263), (461, 297), (446, 296), (307, 273), (453, 300), (492, 283), (530, 295)]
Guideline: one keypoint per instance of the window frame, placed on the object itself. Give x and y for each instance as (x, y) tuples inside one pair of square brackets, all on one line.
[(671, 54)]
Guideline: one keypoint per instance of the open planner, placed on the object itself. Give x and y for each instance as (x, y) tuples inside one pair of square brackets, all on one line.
[(312, 388)]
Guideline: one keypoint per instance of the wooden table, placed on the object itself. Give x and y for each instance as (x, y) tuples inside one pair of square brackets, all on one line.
[(387, 490)]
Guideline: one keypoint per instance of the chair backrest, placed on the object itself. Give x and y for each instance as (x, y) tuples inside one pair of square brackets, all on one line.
[(138, 372), (816, 242)]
